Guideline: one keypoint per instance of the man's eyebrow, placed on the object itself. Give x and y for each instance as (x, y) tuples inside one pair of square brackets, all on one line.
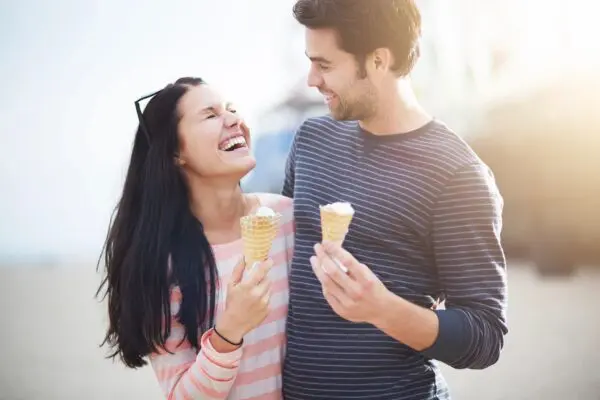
[(318, 59)]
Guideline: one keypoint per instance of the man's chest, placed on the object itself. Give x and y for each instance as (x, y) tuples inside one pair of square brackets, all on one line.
[(392, 198)]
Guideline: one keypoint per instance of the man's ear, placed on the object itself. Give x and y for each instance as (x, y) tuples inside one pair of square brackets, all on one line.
[(382, 59)]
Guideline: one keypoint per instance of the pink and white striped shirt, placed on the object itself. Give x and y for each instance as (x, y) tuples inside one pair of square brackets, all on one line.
[(252, 371)]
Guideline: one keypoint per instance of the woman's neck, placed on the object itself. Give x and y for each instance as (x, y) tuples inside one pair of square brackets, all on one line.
[(219, 206)]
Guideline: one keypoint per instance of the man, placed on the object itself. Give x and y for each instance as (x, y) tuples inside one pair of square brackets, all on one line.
[(426, 226)]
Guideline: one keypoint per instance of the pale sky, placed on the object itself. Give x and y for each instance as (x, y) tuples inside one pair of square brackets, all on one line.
[(70, 72)]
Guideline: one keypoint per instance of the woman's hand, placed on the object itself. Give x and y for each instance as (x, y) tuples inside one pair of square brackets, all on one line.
[(247, 303)]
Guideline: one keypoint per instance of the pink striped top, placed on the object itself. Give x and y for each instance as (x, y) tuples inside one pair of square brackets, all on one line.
[(254, 370)]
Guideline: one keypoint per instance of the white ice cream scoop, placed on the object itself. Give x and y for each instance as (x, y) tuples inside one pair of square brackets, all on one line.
[(264, 212), (340, 207)]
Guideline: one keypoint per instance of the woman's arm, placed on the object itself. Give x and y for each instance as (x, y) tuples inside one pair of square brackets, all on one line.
[(183, 374)]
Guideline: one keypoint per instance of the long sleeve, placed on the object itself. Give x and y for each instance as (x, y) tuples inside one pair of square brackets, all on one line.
[(290, 168), (467, 222), (185, 375)]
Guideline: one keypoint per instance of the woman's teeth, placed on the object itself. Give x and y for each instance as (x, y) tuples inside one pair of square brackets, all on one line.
[(233, 142)]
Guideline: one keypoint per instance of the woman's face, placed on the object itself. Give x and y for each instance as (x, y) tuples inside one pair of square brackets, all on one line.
[(214, 141)]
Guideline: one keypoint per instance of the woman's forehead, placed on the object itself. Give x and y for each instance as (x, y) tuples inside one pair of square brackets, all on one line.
[(201, 97)]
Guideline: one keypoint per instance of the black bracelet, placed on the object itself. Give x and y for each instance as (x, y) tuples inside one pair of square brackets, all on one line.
[(227, 340)]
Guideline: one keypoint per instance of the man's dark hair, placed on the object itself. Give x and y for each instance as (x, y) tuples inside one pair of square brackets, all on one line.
[(363, 26)]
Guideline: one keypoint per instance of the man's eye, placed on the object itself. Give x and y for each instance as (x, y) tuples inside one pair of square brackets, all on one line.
[(323, 67), (211, 115), (233, 110)]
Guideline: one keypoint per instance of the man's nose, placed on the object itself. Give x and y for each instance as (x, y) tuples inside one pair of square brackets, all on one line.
[(314, 79)]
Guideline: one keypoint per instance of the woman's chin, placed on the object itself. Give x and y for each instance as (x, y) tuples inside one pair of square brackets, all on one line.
[(250, 165), (236, 163), (242, 166)]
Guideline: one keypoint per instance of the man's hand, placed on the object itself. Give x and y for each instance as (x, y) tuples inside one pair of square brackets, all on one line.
[(357, 295)]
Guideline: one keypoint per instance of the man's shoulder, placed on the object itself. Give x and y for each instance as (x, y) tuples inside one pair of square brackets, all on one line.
[(448, 147)]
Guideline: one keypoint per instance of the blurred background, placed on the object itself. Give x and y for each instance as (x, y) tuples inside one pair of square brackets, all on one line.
[(519, 80)]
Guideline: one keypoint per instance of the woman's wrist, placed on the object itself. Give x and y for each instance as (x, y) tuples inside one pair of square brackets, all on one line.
[(236, 343), (225, 337), (228, 331), (220, 345)]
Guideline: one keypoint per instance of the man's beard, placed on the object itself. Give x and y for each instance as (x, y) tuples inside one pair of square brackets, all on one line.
[(351, 111), (355, 109)]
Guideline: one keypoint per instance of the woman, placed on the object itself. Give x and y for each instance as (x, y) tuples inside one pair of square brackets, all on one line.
[(178, 292)]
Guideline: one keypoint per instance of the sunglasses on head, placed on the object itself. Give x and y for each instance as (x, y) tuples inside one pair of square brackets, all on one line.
[(140, 116)]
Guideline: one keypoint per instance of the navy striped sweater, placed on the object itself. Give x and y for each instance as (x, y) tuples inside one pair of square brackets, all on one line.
[(427, 223)]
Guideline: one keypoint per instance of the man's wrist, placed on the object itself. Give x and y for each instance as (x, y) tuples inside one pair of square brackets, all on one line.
[(381, 314), (408, 323)]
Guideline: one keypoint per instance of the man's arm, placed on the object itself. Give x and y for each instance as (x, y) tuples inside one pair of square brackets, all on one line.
[(471, 266), (469, 333)]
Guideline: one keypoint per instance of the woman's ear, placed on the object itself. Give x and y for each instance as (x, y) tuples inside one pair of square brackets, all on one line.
[(179, 161)]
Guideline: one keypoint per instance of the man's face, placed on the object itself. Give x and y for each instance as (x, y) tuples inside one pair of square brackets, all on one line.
[(335, 74)]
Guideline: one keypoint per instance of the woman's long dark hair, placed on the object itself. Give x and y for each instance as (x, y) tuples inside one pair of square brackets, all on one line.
[(154, 241)]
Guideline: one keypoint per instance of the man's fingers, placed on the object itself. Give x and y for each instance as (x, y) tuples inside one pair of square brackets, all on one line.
[(317, 269), (329, 286), (322, 275), (339, 264), (351, 287), (359, 271), (335, 303), (322, 253), (322, 272)]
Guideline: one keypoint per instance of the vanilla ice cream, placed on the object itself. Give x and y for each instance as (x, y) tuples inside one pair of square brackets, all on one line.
[(341, 208), (264, 212)]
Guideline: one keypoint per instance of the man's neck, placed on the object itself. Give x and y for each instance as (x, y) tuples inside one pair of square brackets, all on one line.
[(398, 112)]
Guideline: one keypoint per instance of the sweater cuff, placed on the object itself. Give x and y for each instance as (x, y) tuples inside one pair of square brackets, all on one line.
[(452, 341), (225, 360)]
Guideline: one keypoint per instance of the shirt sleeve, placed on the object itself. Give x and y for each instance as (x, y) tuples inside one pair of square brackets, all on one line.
[(184, 374), (290, 167), (467, 222)]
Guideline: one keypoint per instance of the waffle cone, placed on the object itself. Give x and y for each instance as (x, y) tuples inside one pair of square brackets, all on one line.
[(334, 226), (258, 233)]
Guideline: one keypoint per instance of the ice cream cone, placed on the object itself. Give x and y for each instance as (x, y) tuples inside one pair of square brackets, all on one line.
[(335, 221), (258, 232)]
